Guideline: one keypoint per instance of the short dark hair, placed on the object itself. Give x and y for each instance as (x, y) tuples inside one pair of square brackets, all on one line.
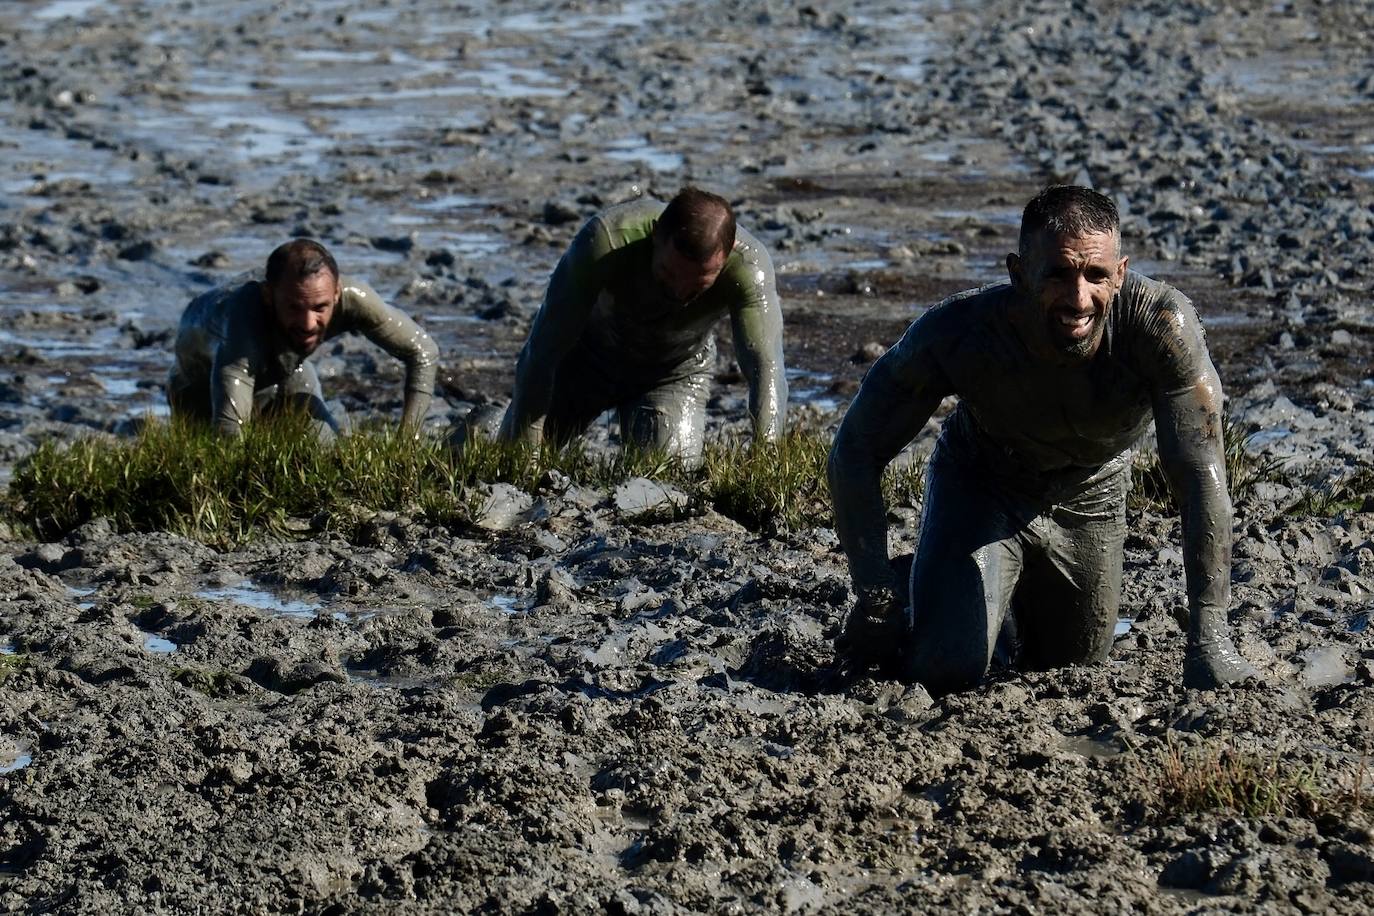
[(298, 259), (1065, 209), (699, 224)]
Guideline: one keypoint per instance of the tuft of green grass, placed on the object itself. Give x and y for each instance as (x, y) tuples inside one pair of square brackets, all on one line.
[(1223, 777), (187, 479), (1350, 492), (11, 663), (781, 486), (1150, 486), (218, 684), (770, 486), (278, 479)]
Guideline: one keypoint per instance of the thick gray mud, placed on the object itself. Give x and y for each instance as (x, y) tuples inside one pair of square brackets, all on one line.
[(588, 711)]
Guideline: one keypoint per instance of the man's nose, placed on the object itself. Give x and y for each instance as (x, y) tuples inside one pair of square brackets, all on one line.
[(1083, 294)]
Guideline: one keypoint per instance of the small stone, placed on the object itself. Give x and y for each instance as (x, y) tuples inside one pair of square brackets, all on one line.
[(639, 495), (868, 353), (558, 212), (504, 507)]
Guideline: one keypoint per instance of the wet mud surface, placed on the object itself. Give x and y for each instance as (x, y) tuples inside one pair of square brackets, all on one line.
[(588, 710)]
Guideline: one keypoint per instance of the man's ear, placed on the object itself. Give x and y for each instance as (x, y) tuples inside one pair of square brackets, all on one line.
[(1015, 270), (1121, 271)]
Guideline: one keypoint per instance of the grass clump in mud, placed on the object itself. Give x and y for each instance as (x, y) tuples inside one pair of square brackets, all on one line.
[(1349, 492), (781, 486), (10, 663), (1244, 470), (188, 479), (277, 479), (1225, 778)]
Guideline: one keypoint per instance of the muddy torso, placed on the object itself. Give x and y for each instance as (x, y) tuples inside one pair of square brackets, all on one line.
[(631, 330), (233, 323), (1017, 413)]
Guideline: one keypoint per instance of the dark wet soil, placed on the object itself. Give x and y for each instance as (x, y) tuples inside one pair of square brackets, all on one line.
[(586, 710)]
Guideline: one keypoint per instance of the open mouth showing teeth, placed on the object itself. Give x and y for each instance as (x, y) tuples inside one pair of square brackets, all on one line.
[(1076, 325)]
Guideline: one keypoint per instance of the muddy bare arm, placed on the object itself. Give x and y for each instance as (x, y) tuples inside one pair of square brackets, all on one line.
[(757, 326), (568, 302), (896, 399), (398, 334), (1188, 425)]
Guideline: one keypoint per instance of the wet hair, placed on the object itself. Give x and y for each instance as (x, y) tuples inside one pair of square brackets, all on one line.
[(298, 259), (699, 223), (1065, 209)]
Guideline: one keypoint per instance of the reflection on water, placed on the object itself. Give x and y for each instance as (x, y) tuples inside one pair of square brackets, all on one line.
[(252, 596), (638, 149), (158, 645), (59, 9), (16, 757), (506, 604)]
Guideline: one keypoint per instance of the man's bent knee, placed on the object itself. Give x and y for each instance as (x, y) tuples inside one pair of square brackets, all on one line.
[(942, 671)]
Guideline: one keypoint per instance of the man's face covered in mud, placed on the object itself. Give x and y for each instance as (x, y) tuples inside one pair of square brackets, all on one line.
[(677, 278), (304, 307), (1067, 283)]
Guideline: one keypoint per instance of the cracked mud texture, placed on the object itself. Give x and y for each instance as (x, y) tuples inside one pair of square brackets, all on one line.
[(588, 711)]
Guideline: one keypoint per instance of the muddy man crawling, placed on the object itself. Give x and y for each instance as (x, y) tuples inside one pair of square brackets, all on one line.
[(627, 323), (1058, 374), (242, 348)]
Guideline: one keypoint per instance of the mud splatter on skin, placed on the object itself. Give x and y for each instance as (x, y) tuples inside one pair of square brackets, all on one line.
[(660, 726)]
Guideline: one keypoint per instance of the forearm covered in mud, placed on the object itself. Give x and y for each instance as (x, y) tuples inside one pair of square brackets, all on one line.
[(892, 405), (399, 335), (757, 328), (232, 384), (1191, 450), (568, 301)]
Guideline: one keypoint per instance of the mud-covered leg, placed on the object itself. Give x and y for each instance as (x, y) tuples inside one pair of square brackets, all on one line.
[(581, 393), (671, 417), (1070, 591), (186, 398), (967, 564)]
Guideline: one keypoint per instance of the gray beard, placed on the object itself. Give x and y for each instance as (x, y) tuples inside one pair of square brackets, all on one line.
[(1080, 350)]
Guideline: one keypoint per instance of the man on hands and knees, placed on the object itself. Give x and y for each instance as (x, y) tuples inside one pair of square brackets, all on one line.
[(1058, 374), (627, 323), (243, 348)]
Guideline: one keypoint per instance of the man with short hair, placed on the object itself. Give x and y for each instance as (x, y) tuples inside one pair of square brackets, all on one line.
[(243, 347), (1058, 374), (627, 323)]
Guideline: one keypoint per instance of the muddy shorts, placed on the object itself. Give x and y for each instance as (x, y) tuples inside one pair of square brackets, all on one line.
[(985, 550)]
